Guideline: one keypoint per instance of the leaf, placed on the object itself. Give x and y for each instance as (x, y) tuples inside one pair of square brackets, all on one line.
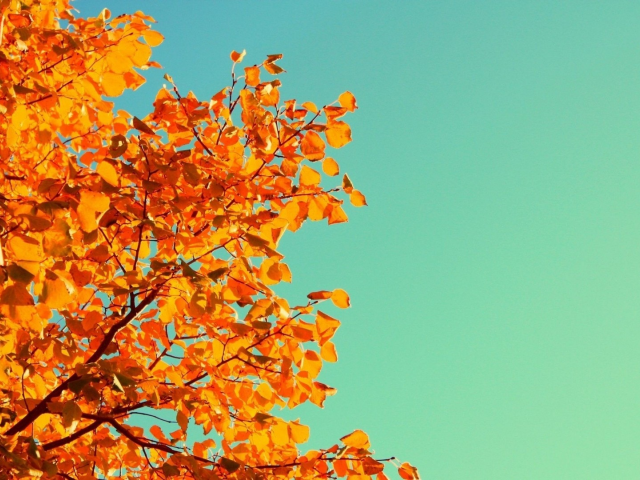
[(108, 173), (170, 470), (357, 198), (237, 57), (308, 176), (71, 415), (141, 126), (311, 107), (113, 84), (330, 167), (348, 101), (408, 472), (91, 205), (229, 465), (320, 295), (312, 146), (252, 76), (182, 420), (152, 37), (338, 134), (356, 439), (118, 145), (340, 298), (347, 186)]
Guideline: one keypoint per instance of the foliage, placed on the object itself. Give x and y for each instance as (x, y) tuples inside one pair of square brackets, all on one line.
[(138, 258)]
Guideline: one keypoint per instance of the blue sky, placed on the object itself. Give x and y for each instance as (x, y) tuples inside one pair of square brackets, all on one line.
[(494, 275)]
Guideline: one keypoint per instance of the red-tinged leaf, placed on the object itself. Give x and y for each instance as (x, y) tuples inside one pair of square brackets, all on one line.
[(237, 57), (312, 146), (320, 295), (408, 472), (252, 76)]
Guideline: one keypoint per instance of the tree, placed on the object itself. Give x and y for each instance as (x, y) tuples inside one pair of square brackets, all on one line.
[(138, 258)]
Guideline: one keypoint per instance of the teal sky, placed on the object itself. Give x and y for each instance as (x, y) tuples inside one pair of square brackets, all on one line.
[(495, 275)]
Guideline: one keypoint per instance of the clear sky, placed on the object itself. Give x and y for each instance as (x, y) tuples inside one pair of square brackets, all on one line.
[(495, 275)]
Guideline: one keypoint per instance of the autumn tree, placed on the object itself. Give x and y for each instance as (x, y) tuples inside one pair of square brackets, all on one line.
[(138, 259)]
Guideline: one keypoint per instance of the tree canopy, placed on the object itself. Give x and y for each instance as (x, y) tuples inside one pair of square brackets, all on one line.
[(138, 259)]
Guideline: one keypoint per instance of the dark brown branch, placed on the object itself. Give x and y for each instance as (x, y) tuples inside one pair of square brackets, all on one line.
[(74, 436), (41, 408)]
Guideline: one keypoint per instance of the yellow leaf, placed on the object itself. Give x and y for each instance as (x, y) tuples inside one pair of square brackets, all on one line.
[(338, 134), (348, 101), (280, 433), (337, 215), (152, 37), (312, 146), (340, 298), (108, 173), (24, 248), (113, 84), (56, 293), (330, 167), (328, 352), (357, 198), (308, 176), (91, 204), (356, 439), (310, 106), (311, 363), (299, 432)]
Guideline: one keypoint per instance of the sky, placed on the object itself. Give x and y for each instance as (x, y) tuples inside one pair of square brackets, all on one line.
[(495, 274)]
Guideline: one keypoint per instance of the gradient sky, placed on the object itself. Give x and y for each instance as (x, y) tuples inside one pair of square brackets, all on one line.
[(495, 274)]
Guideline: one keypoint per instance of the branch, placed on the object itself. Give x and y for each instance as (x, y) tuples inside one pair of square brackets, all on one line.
[(79, 433), (41, 408)]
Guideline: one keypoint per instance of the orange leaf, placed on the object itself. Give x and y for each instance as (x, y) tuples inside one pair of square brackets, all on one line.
[(328, 352), (408, 472), (312, 146), (356, 439), (330, 167), (340, 298), (308, 176), (338, 134), (348, 101), (252, 76), (357, 199)]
